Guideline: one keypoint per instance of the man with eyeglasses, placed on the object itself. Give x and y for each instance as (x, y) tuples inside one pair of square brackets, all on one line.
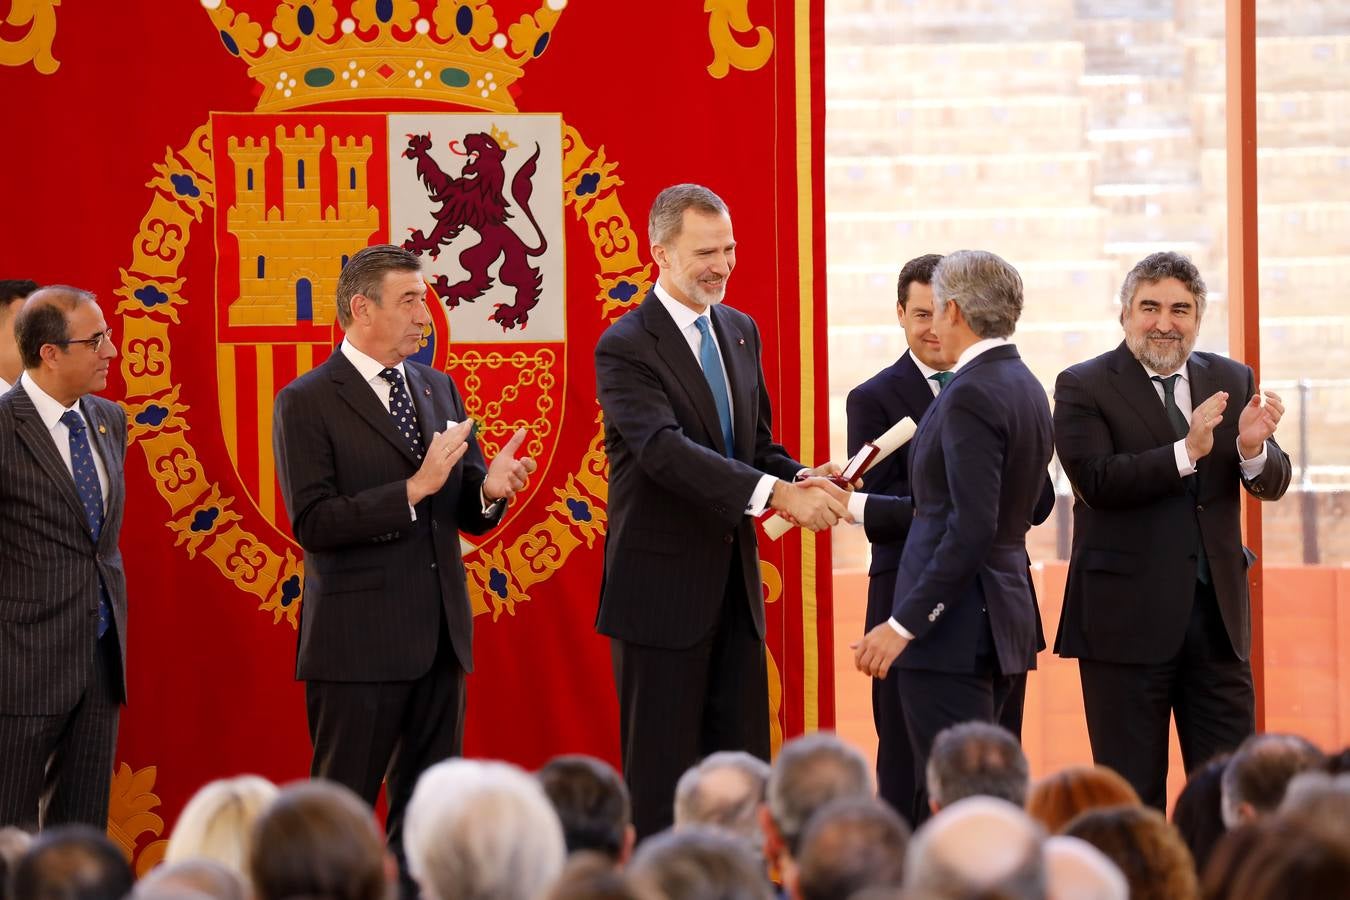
[(63, 604), (12, 295)]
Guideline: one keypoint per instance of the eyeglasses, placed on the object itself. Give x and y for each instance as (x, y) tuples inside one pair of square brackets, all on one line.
[(94, 343)]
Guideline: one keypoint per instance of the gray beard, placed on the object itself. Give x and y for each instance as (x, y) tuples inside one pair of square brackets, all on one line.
[(1164, 360)]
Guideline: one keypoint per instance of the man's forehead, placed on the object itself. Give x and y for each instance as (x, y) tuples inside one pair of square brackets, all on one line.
[(1159, 291)]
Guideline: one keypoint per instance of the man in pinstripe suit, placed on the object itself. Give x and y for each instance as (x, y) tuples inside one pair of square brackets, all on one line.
[(63, 596)]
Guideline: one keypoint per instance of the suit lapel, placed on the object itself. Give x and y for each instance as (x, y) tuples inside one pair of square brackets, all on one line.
[(39, 441), (352, 388), (672, 347), (1136, 388), (913, 388), (103, 438), (736, 351)]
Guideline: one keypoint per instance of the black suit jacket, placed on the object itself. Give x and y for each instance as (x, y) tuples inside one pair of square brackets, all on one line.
[(677, 522), (377, 584), (978, 482), (896, 392), (1136, 525), (49, 565)]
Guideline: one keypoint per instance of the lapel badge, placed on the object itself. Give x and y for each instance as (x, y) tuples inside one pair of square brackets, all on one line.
[(102, 429), (740, 341), (426, 391)]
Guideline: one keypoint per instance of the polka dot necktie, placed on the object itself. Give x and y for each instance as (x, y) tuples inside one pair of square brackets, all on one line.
[(401, 410), (91, 494)]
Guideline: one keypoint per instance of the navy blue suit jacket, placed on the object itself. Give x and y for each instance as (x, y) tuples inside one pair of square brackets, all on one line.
[(977, 475)]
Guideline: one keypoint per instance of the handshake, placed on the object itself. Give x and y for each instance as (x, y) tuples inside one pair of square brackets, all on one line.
[(815, 500)]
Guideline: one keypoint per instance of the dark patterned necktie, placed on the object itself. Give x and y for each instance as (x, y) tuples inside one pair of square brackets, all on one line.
[(401, 410), (91, 494), (712, 370), (1182, 428), (941, 378)]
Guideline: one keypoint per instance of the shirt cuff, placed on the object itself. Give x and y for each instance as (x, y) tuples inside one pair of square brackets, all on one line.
[(1184, 466), (900, 629), (856, 504), (488, 508), (759, 500), (1254, 466), (412, 512)]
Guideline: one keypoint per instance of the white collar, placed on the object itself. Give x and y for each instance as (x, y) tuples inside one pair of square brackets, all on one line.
[(1183, 371), (925, 370), (369, 367), (48, 407), (684, 316), (976, 349)]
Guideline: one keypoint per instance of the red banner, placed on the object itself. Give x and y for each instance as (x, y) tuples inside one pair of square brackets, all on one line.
[(206, 167)]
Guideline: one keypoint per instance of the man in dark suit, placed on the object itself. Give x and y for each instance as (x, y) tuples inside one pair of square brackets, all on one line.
[(963, 622), (1156, 608), (905, 389), (378, 481), (691, 461), (63, 594)]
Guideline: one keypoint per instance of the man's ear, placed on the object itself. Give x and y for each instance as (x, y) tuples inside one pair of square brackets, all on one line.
[(629, 842), (360, 307), (773, 839), (1247, 813), (660, 256)]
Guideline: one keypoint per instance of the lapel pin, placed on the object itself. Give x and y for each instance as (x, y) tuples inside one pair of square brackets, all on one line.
[(102, 429), (740, 341), (426, 391)]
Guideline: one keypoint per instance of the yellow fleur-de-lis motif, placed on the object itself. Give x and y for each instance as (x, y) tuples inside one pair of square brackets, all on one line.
[(35, 46), (725, 18)]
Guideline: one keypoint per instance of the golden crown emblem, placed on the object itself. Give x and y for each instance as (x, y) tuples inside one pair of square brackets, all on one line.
[(305, 52)]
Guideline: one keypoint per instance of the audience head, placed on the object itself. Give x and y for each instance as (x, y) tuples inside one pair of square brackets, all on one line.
[(978, 846), (851, 844), (1321, 801), (1076, 870), (588, 875), (698, 864), (1274, 858), (1198, 813), (71, 862), (478, 829), (1254, 780), (592, 804), (810, 771), (976, 759), (1147, 849), (318, 839), (724, 791), (191, 879), (217, 821), (14, 843), (1339, 762), (1057, 799)]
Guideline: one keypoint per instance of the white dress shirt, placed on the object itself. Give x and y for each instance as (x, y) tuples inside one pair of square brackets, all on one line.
[(5, 385), (685, 319), (1181, 392), (50, 411), (926, 371)]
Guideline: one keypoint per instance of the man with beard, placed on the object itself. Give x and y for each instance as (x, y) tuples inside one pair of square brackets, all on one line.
[(1156, 608), (691, 461)]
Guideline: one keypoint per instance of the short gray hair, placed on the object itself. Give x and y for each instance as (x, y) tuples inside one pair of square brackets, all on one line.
[(977, 759), (667, 215), (364, 274), (477, 830), (734, 809), (698, 863), (809, 772), (986, 288), (1154, 268)]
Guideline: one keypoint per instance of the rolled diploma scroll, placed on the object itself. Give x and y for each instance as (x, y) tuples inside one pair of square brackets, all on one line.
[(895, 437)]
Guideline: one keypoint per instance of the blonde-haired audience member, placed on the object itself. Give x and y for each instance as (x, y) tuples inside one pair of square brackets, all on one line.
[(1056, 799), (216, 822)]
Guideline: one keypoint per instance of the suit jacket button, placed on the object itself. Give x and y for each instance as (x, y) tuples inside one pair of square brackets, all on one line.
[(433, 565), (727, 538), (435, 525), (1199, 507)]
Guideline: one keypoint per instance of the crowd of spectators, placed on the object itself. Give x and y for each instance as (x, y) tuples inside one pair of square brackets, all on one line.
[(1271, 820)]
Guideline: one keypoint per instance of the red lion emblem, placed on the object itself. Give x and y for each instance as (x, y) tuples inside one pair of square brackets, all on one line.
[(476, 200)]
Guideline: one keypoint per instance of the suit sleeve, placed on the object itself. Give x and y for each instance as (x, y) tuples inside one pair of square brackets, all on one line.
[(771, 457), (636, 405), (1102, 478), (866, 420), (321, 518), (886, 518), (1045, 503), (1273, 480), (974, 449), (469, 515)]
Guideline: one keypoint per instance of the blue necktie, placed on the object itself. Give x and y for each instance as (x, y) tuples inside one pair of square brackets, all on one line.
[(1181, 428), (712, 370), (91, 496), (401, 410)]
